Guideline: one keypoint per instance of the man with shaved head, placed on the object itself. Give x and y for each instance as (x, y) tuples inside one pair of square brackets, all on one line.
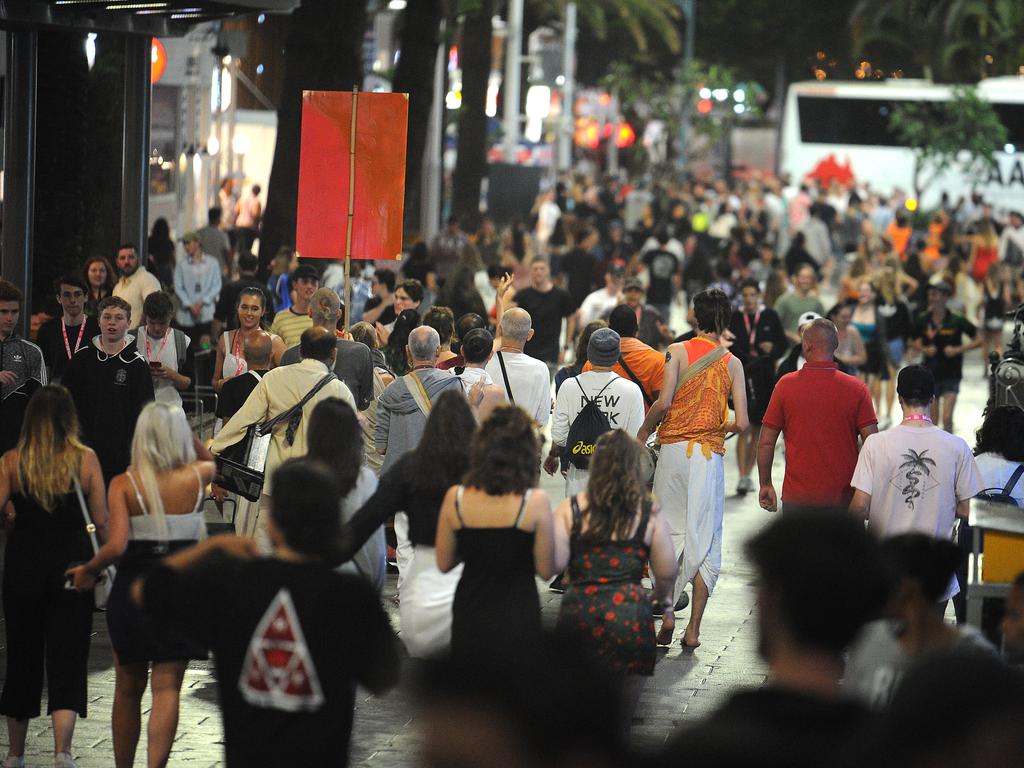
[(526, 380), (822, 412)]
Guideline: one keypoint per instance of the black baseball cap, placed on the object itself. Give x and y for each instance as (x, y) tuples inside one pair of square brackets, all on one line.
[(305, 272), (916, 383)]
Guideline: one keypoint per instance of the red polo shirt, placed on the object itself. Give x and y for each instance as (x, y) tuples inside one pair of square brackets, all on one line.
[(820, 412)]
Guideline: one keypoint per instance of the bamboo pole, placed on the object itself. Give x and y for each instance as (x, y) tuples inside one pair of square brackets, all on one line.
[(351, 205)]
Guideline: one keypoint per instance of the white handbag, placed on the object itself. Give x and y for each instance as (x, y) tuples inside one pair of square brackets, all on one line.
[(105, 578)]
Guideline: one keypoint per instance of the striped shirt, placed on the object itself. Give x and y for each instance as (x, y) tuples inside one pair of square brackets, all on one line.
[(289, 326)]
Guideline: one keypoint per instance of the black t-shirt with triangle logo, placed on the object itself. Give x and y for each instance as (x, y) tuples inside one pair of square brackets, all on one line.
[(290, 642)]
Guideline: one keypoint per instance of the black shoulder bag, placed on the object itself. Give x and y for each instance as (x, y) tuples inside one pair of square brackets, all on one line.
[(241, 468)]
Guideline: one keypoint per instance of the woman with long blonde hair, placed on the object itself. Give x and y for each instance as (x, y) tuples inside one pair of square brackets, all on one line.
[(49, 570), (155, 510)]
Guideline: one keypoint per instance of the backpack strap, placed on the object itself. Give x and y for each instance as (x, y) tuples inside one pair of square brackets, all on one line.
[(504, 375), (647, 398), (1012, 482), (418, 392), (180, 346), (522, 508)]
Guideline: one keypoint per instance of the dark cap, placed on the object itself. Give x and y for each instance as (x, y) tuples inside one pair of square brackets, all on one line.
[(916, 383), (941, 285), (633, 284), (603, 349), (616, 268), (305, 272), (477, 345)]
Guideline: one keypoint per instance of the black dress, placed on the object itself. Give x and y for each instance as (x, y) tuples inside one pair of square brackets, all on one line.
[(44, 621), (497, 592), (605, 606)]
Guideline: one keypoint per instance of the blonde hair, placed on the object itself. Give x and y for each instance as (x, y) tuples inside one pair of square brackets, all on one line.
[(49, 449), (162, 442)]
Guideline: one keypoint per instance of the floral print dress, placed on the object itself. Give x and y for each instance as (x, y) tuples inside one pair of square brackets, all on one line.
[(605, 605)]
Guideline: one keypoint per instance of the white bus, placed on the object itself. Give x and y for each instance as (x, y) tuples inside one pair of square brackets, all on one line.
[(847, 123)]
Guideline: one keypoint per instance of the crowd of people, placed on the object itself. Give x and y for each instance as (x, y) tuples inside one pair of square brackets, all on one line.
[(620, 337)]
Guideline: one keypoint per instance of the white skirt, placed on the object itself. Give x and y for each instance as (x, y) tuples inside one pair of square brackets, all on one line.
[(425, 609)]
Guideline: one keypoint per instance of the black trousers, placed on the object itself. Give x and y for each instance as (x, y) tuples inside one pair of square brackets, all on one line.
[(46, 625)]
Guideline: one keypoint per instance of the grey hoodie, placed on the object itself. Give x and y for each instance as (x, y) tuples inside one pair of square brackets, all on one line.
[(400, 421)]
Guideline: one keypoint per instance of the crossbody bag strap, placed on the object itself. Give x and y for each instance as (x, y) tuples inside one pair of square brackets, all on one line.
[(647, 398), (504, 375), (698, 366), (418, 392), (90, 526), (268, 426)]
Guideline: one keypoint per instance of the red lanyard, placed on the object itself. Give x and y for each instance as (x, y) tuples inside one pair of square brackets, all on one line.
[(78, 343), (751, 328), (236, 350), (160, 349)]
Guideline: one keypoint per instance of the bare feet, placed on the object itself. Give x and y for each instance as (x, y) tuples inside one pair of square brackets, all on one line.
[(690, 639), (668, 626)]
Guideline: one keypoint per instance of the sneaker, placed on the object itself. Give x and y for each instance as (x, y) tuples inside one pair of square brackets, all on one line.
[(64, 760), (14, 762), (745, 485)]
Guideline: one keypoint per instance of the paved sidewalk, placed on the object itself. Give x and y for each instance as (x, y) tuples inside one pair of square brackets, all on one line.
[(686, 685)]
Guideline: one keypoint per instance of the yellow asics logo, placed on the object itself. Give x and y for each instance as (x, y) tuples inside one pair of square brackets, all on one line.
[(583, 449)]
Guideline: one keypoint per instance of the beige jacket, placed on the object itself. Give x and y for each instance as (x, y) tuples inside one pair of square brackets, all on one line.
[(278, 391)]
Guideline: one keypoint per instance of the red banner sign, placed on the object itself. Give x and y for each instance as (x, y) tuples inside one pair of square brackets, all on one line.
[(376, 190)]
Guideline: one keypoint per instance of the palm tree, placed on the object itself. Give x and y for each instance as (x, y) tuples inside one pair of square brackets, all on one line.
[(915, 463), (640, 17), (991, 34), (913, 31)]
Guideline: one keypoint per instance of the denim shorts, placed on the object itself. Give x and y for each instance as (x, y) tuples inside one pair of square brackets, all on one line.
[(947, 387), (895, 349)]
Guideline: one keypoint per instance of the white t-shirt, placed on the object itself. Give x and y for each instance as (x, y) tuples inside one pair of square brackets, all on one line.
[(596, 304), (471, 376), (163, 351), (996, 472), (621, 401), (915, 476), (530, 382)]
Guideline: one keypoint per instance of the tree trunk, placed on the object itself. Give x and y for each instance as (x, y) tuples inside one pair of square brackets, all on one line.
[(61, 183), (419, 38), (323, 52), (471, 164)]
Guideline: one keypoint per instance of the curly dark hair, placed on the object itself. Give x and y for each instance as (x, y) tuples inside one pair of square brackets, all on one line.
[(1002, 432), (504, 454), (616, 487), (442, 457)]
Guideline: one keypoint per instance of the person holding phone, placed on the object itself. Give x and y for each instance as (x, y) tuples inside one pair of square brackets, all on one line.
[(49, 571), (168, 351)]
